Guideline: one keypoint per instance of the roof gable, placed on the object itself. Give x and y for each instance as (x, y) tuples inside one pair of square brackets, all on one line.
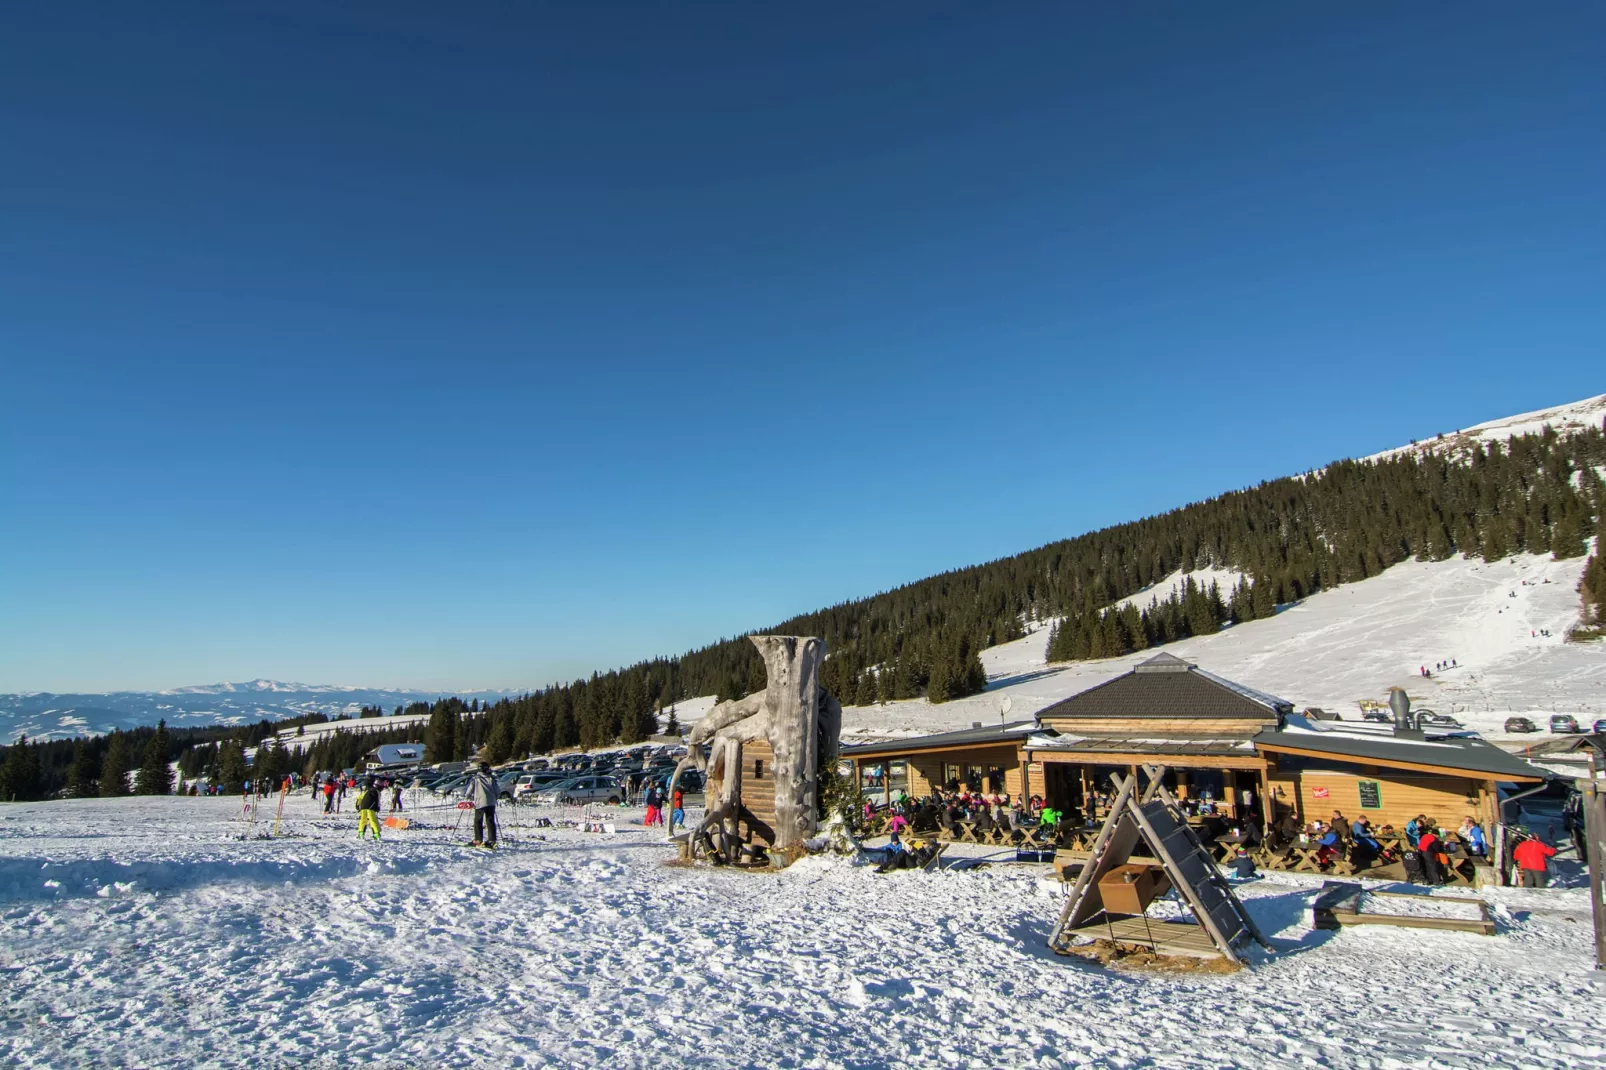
[(1165, 687)]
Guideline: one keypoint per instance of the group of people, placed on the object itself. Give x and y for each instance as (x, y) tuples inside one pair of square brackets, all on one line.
[(1424, 850), (654, 799), (332, 788)]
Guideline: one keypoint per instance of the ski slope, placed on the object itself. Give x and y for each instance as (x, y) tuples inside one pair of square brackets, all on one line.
[(146, 932), (1340, 646)]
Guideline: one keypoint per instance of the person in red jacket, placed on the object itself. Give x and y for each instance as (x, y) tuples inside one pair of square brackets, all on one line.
[(1531, 856)]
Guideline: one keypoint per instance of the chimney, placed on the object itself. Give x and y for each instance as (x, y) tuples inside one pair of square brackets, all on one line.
[(975, 724), (1405, 724)]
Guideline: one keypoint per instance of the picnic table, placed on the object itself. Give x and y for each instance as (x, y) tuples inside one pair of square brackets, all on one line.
[(1223, 847)]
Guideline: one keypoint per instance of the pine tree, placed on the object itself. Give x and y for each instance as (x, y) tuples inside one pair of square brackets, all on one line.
[(440, 738), (155, 776), (115, 767), (864, 693), (1494, 540), (500, 743), (939, 687), (1567, 536), (81, 774), (231, 767), (19, 776), (672, 726)]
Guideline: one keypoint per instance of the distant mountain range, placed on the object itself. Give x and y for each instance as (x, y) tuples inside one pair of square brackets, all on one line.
[(53, 716)]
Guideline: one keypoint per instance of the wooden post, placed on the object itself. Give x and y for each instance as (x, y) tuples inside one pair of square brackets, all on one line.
[(1595, 848), (1268, 808), (1087, 793)]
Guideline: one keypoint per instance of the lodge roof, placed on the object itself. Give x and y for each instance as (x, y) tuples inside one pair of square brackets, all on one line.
[(1214, 748), (1458, 754), (1013, 732), (1165, 687)]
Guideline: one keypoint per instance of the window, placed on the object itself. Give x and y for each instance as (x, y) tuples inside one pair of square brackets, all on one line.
[(758, 768)]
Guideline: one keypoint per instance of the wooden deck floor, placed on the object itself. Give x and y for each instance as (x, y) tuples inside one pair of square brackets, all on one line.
[(1166, 938)]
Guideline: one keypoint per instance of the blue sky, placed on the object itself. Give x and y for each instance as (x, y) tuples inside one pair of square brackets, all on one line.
[(399, 344)]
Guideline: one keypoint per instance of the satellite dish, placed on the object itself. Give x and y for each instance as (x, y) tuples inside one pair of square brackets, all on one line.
[(1005, 704)]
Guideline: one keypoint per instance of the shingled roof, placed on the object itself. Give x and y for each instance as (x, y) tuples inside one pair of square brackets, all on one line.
[(1167, 688)]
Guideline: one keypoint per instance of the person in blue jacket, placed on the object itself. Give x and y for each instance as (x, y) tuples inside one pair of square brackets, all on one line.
[(1471, 834)]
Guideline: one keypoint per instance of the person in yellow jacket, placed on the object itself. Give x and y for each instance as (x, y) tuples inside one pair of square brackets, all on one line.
[(368, 810)]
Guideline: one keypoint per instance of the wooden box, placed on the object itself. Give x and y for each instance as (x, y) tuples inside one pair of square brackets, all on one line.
[(1129, 889)]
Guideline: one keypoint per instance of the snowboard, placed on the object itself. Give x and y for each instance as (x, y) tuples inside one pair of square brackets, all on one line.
[(396, 822)]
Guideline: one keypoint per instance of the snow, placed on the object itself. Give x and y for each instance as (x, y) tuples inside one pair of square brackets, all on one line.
[(1225, 578), (147, 932), (1340, 646), (1574, 416)]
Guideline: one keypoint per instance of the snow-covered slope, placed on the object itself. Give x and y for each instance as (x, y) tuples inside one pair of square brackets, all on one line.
[(1224, 578), (1590, 412), (1340, 646)]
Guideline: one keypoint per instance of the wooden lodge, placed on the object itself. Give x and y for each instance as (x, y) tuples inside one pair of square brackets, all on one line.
[(1243, 752), (1167, 712), (980, 759)]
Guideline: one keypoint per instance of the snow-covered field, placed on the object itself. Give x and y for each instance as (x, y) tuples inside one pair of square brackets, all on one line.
[(145, 932), (1340, 646)]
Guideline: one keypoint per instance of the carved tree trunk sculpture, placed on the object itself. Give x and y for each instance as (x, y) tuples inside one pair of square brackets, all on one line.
[(802, 732)]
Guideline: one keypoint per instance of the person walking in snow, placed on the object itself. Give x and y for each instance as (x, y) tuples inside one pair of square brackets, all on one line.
[(368, 810), (329, 796), (1533, 860), (396, 797), (482, 792), (677, 813)]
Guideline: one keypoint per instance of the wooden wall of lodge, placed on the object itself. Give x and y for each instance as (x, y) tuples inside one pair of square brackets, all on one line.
[(1195, 728), (1404, 795)]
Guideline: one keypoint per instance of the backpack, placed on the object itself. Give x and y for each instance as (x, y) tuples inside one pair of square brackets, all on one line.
[(1415, 869)]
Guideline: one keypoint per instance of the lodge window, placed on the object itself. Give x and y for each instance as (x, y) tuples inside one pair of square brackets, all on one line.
[(758, 768)]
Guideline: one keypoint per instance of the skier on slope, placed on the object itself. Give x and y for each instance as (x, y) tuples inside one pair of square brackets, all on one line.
[(368, 810), (482, 790)]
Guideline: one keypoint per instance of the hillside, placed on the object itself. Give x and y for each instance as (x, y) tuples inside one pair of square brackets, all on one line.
[(1340, 646)]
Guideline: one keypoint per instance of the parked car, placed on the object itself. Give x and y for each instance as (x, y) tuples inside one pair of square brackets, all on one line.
[(1564, 722), (581, 790), (1599, 725), (1373, 714), (533, 783), (1520, 724)]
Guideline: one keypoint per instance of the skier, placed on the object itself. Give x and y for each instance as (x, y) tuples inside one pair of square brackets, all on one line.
[(368, 810), (329, 796), (482, 790), (396, 797)]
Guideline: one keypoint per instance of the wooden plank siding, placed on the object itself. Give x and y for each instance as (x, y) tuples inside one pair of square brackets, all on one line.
[(1165, 728), (1445, 799), (758, 780), (926, 769)]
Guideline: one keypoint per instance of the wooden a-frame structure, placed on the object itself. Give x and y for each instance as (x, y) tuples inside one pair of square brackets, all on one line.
[(1223, 927)]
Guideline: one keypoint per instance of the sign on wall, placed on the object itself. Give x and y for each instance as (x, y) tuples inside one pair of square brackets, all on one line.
[(1371, 794), (1318, 793)]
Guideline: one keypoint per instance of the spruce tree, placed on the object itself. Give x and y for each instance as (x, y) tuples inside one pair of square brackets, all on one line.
[(500, 741), (672, 726), (1567, 537), (115, 767), (231, 767), (19, 775), (155, 777), (81, 774)]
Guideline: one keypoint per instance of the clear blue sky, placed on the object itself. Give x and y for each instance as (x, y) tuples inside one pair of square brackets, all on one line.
[(422, 344)]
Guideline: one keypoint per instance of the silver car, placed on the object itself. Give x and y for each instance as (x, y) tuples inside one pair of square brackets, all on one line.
[(583, 789)]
